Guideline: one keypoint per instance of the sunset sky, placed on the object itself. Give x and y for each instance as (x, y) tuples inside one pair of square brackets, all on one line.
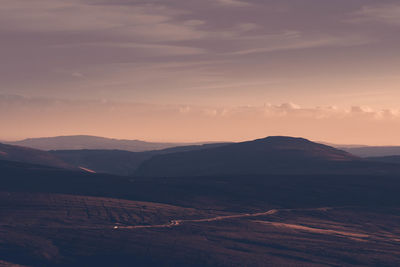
[(209, 70)]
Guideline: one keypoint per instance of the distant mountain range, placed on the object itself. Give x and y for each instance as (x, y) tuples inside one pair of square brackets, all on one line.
[(373, 151), (87, 142), (271, 155), (75, 142), (366, 151)]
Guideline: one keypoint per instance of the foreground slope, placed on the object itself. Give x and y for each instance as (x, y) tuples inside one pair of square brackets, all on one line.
[(230, 193), (63, 230), (269, 155), (387, 159), (248, 221), (56, 217)]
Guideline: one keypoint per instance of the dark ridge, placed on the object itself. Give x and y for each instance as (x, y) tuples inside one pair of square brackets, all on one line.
[(119, 162), (29, 155), (271, 155)]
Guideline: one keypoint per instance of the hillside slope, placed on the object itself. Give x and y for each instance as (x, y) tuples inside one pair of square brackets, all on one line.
[(277, 154), (118, 162), (29, 155)]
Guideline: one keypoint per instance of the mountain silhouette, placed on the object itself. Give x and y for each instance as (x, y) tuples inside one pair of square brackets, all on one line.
[(75, 142), (119, 162), (373, 151), (276, 154)]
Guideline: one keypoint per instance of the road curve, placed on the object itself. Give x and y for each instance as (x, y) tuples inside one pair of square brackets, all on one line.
[(174, 223)]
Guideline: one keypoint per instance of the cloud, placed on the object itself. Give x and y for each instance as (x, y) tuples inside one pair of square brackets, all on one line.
[(294, 40), (233, 3), (182, 51), (51, 117), (143, 49), (288, 109), (77, 74), (153, 22), (245, 27), (293, 111), (386, 13), (45, 15)]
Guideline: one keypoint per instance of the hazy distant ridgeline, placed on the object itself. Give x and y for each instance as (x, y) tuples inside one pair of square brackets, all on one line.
[(272, 155), (284, 155), (373, 151), (79, 142), (92, 142)]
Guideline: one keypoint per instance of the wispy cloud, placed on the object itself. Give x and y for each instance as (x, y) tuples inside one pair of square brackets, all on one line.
[(51, 116), (233, 3), (292, 111), (152, 22), (149, 50), (294, 40), (288, 109), (211, 51), (386, 13)]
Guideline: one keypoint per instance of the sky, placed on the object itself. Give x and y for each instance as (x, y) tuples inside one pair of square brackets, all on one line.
[(209, 70)]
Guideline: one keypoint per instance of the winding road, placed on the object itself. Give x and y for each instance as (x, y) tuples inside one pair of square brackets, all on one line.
[(347, 234), (174, 223)]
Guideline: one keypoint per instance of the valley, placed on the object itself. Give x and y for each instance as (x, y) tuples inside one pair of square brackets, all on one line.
[(55, 216)]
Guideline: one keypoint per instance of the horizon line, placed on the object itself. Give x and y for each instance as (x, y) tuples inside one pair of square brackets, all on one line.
[(329, 143)]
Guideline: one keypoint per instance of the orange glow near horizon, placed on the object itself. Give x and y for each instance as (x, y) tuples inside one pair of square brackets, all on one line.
[(195, 71), (174, 123)]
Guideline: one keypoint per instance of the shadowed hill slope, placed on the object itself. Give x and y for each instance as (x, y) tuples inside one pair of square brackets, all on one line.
[(29, 155), (269, 155), (387, 159), (118, 162), (234, 193)]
